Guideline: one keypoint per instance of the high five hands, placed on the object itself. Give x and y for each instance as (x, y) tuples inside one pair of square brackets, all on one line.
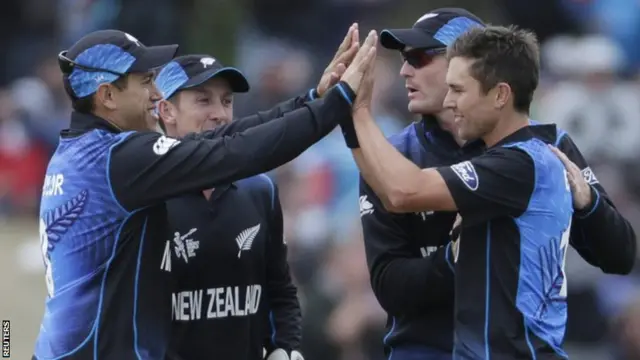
[(359, 75)]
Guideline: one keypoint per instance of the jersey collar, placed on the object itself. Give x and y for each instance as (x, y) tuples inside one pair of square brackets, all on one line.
[(524, 134), (81, 123), (432, 130)]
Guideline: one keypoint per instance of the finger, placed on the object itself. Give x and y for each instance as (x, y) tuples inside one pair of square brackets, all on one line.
[(333, 79), (368, 62), (348, 39), (372, 38), (355, 34), (563, 158), (360, 55), (347, 56), (340, 69), (368, 44)]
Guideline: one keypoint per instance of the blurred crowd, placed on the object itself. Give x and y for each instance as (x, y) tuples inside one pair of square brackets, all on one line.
[(590, 86)]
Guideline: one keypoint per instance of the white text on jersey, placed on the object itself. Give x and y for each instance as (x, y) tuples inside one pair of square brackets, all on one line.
[(220, 302)]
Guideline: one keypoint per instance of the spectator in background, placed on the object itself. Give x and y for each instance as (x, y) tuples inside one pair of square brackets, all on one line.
[(41, 98), (22, 162)]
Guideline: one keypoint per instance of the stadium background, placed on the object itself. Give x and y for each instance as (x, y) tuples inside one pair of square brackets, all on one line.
[(590, 85)]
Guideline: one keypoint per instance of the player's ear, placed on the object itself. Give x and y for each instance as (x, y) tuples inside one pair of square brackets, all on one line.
[(502, 93), (167, 112), (105, 96)]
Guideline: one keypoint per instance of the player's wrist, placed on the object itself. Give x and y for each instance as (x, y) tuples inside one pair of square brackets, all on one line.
[(590, 208)]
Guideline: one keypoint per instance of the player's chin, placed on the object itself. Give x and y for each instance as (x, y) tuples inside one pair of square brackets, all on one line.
[(422, 107), (466, 134), (150, 122)]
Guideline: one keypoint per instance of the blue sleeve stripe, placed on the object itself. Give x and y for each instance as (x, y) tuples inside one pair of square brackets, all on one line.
[(448, 257), (311, 94), (273, 190), (272, 322), (529, 344), (595, 204), (135, 292), (487, 350), (559, 136), (345, 95)]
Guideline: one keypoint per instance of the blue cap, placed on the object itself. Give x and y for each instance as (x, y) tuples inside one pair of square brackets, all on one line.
[(193, 70), (436, 29), (106, 55)]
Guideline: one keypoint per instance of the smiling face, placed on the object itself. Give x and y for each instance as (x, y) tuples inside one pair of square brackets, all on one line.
[(135, 101), (198, 109), (475, 112)]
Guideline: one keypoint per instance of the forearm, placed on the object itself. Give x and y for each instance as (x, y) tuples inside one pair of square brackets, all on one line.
[(389, 173), (285, 319), (410, 286), (607, 235)]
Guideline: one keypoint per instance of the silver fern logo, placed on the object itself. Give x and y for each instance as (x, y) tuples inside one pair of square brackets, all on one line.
[(246, 237)]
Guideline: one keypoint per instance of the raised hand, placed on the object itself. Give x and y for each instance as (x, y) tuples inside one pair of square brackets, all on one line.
[(365, 92), (343, 58), (361, 64)]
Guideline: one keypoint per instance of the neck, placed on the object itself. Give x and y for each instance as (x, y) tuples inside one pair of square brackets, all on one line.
[(111, 118), (207, 193), (506, 126), (447, 123)]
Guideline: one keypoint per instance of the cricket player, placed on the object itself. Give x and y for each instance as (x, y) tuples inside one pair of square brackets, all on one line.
[(103, 218), (407, 254), (232, 234), (514, 200)]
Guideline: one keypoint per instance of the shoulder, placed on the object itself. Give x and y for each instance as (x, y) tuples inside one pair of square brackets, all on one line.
[(549, 133), (261, 187), (405, 139)]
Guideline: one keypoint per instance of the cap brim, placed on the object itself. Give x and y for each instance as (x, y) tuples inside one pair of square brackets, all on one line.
[(398, 39), (153, 57), (236, 79)]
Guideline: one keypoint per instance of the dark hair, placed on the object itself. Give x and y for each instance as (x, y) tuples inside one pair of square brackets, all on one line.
[(502, 54), (86, 105)]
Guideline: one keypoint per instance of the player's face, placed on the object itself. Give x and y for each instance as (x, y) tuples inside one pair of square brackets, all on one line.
[(137, 101), (474, 111), (204, 107), (424, 73)]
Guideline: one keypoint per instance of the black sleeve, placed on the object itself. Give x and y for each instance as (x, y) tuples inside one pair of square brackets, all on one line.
[(498, 183), (148, 168), (600, 234), (258, 119), (403, 282), (285, 317)]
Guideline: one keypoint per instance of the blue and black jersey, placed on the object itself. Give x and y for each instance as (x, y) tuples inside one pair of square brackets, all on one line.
[(103, 220), (407, 254), (510, 289)]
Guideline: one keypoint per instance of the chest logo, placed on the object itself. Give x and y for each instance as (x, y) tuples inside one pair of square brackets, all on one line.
[(185, 246), (245, 239)]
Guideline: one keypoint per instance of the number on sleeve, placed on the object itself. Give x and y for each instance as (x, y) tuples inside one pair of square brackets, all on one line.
[(44, 246)]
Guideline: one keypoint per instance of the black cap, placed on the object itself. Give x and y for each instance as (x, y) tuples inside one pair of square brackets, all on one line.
[(192, 70), (436, 29), (105, 55)]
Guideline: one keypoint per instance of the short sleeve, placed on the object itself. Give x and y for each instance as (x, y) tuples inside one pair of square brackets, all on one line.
[(498, 183)]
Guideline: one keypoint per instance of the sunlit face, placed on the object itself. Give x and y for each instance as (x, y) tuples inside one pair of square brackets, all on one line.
[(424, 72), (136, 102), (202, 108), (475, 113)]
